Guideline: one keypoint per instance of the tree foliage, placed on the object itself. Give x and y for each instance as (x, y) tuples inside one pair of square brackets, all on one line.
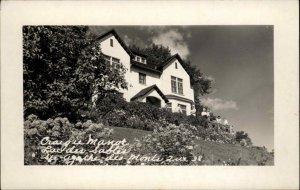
[(63, 70), (241, 135)]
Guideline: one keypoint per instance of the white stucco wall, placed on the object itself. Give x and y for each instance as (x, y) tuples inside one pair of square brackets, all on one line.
[(135, 87), (165, 84), (119, 52), (175, 105), (170, 70)]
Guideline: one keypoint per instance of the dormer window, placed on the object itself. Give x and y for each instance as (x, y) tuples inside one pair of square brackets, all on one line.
[(140, 59), (143, 60), (111, 42)]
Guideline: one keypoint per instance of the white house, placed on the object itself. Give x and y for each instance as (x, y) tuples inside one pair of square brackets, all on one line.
[(167, 85)]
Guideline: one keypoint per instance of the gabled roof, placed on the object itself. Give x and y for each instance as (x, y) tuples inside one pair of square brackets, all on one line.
[(147, 90), (150, 68), (176, 56), (114, 33)]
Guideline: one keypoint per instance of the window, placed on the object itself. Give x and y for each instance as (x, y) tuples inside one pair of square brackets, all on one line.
[(180, 86), (140, 59), (111, 60), (111, 42), (115, 61), (183, 108), (142, 78), (173, 84), (169, 106), (107, 59), (176, 65), (177, 85)]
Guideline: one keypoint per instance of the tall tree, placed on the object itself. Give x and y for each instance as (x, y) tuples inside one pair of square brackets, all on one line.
[(63, 70)]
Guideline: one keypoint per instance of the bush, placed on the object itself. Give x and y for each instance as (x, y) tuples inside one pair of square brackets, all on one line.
[(109, 103), (57, 129), (242, 138), (115, 111), (168, 142)]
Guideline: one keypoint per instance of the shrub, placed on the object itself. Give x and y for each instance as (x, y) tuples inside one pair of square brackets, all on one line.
[(109, 103), (168, 141), (57, 129), (115, 111), (242, 138)]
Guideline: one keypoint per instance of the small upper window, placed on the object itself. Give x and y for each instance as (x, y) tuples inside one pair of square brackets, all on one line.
[(142, 78), (111, 42), (176, 65)]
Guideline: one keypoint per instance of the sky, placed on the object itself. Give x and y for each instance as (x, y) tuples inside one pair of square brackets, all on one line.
[(239, 61)]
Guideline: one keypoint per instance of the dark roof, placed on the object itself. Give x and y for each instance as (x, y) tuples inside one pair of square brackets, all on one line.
[(138, 53), (147, 67), (159, 69), (113, 32), (148, 89), (176, 56), (179, 98)]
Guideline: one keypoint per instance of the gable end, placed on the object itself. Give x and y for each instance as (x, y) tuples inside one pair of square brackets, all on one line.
[(176, 56), (115, 34)]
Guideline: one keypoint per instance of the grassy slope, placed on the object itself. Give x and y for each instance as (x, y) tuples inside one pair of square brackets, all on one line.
[(213, 151)]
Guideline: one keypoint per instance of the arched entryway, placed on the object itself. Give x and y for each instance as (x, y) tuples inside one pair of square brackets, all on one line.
[(154, 101)]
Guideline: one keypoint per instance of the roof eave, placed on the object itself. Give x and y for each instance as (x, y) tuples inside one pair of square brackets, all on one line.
[(146, 68)]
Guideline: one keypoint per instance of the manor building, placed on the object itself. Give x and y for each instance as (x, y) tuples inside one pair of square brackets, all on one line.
[(166, 85)]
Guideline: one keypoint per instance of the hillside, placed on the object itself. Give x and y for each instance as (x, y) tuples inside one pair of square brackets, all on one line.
[(213, 152)]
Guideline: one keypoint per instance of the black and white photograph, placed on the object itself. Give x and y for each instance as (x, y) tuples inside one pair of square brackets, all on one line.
[(148, 95)]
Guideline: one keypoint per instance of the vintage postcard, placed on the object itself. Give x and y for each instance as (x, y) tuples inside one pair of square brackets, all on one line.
[(128, 92)]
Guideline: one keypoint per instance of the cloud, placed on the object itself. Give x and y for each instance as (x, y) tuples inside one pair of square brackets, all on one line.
[(134, 41), (210, 78), (127, 40), (174, 40), (219, 104)]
